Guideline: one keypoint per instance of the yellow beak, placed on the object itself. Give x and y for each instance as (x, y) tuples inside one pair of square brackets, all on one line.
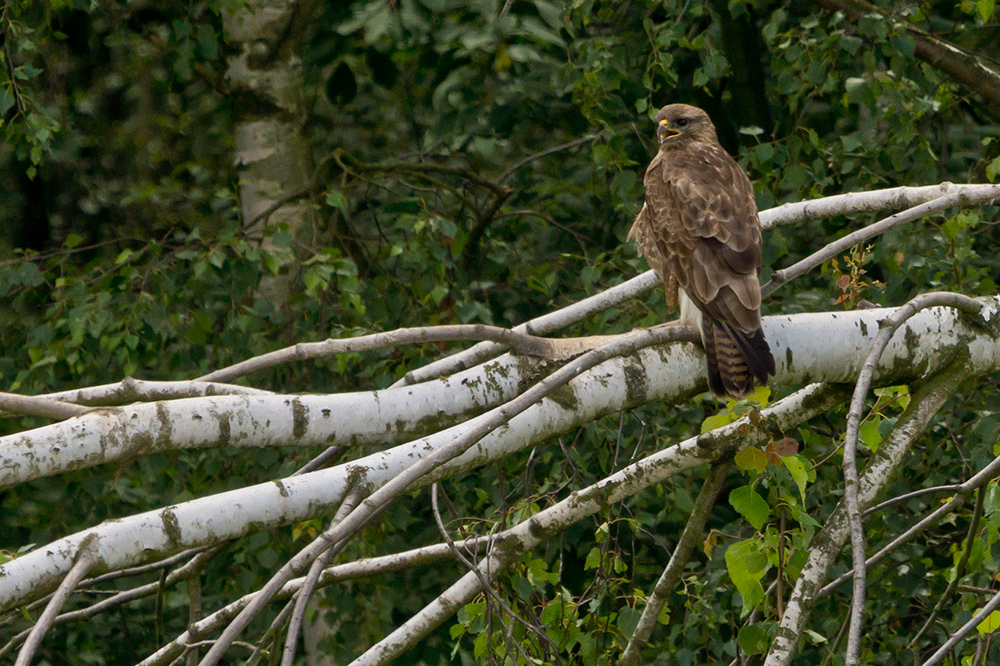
[(665, 132)]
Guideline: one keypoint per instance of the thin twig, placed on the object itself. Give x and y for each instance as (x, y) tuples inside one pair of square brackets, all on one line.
[(309, 584), (960, 197), (419, 168), (964, 631), (678, 560), (188, 571), (548, 151), (970, 541), (383, 564), (521, 342), (950, 488), (26, 405), (487, 587), (962, 492), (86, 557), (322, 459)]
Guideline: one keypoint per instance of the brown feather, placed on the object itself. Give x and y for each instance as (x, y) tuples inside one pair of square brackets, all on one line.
[(699, 230)]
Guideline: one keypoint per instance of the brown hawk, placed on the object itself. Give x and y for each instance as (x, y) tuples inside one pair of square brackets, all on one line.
[(699, 230)]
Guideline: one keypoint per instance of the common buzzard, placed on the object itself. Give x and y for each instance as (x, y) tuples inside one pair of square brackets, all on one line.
[(699, 230)]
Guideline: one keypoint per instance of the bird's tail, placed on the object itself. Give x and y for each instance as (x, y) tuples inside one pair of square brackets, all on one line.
[(736, 359)]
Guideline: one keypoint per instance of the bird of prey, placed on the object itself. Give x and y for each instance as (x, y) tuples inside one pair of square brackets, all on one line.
[(699, 230)]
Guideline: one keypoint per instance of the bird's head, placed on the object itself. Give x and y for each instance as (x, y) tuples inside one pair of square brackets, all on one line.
[(680, 124)]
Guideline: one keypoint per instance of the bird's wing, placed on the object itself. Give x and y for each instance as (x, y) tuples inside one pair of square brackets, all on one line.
[(646, 243), (705, 209)]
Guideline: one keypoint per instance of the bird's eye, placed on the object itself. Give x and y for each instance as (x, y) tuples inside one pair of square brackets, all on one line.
[(682, 122)]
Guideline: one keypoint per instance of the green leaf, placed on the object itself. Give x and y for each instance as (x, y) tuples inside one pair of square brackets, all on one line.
[(752, 130), (855, 88), (282, 238), (986, 9), (480, 645), (750, 505), (6, 101), (754, 639), (990, 624), (761, 395), (336, 200), (747, 564), (814, 637), (800, 472), (764, 152), (628, 619), (852, 141), (869, 433), (992, 169), (751, 459), (717, 421)]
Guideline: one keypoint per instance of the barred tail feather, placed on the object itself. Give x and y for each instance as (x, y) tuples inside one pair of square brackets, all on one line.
[(736, 360)]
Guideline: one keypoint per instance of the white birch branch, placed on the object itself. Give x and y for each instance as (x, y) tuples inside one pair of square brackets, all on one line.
[(962, 197), (807, 348), (84, 560), (826, 546), (789, 213), (143, 390), (887, 328), (304, 351), (384, 417)]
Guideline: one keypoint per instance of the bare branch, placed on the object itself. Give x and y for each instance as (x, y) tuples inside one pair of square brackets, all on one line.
[(675, 567), (964, 631), (960, 197), (86, 557), (519, 342), (24, 405), (887, 329)]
